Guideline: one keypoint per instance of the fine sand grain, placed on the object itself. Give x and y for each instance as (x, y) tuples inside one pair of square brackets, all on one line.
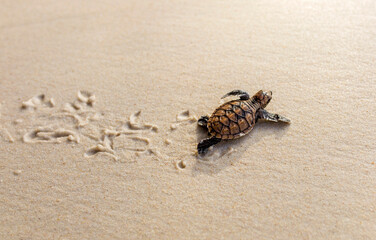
[(99, 102)]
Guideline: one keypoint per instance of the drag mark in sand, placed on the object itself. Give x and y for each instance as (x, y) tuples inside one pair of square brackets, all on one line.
[(55, 127), (135, 123), (105, 145), (129, 136), (79, 122), (53, 132), (81, 109), (50, 135), (212, 155), (4, 131)]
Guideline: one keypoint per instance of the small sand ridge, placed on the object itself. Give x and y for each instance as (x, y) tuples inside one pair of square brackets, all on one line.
[(37, 102), (50, 134), (4, 133), (184, 117)]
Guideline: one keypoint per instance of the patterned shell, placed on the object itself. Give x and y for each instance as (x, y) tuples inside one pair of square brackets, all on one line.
[(232, 120)]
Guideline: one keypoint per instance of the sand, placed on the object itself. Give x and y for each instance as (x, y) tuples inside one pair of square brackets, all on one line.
[(99, 102)]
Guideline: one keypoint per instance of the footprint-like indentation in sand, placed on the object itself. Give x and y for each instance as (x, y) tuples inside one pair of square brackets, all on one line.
[(180, 165), (105, 145), (38, 101), (86, 97), (139, 144), (129, 136), (81, 109), (99, 148), (183, 117), (57, 134), (135, 123), (81, 117), (51, 135)]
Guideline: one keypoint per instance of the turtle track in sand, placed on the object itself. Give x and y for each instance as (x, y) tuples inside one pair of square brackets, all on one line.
[(44, 121), (132, 129)]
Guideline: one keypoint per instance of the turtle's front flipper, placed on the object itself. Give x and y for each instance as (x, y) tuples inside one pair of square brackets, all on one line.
[(265, 115), (243, 95), (203, 146)]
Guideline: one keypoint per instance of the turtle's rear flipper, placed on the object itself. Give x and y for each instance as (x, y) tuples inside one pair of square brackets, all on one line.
[(203, 146), (203, 122)]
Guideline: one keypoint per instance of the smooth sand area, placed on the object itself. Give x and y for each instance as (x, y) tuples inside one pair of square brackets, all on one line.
[(99, 102)]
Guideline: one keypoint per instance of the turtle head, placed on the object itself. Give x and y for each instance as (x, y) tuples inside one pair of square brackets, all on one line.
[(263, 97)]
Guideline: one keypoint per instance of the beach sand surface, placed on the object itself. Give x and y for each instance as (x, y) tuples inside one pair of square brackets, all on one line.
[(99, 102)]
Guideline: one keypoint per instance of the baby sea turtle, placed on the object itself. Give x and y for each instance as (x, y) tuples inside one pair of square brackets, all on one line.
[(236, 118)]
